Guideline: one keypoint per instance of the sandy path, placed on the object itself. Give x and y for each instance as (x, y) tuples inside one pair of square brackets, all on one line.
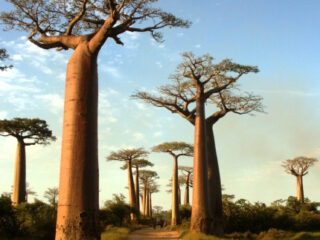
[(149, 233)]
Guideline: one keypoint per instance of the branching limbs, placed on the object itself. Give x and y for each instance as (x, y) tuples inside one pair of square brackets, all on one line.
[(298, 166), (63, 24)]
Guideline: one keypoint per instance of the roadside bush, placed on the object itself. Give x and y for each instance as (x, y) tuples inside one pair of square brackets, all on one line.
[(8, 223)]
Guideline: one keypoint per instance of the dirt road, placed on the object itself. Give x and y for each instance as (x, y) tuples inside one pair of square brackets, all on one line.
[(149, 233)]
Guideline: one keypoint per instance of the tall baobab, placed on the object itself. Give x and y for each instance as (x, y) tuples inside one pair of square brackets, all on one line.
[(83, 26), (27, 132), (138, 164), (129, 155), (176, 150), (298, 167), (146, 177), (152, 188), (197, 80), (187, 172)]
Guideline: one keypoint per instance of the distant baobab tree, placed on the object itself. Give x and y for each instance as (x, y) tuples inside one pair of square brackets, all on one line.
[(198, 80), (138, 164), (147, 177), (129, 155), (176, 150), (299, 167), (83, 26), (3, 56), (187, 172), (152, 188), (27, 132)]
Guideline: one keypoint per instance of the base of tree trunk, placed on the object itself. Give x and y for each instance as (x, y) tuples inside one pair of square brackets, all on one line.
[(217, 227), (201, 224)]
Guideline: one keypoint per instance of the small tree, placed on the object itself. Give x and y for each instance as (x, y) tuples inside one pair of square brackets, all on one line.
[(187, 171), (298, 167), (146, 177), (137, 164), (52, 195), (3, 56), (176, 150), (128, 155), (27, 132)]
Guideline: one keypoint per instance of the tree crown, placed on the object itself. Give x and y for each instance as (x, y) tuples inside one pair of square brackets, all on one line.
[(127, 154), (52, 23), (138, 163), (175, 148), (3, 56), (147, 175), (298, 166), (30, 131), (218, 84)]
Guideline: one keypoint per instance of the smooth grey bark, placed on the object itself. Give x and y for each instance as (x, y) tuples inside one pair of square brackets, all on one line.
[(132, 195), (137, 190), (186, 191), (300, 193)]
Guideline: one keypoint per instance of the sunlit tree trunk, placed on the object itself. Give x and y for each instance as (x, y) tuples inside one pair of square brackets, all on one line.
[(19, 182), (132, 196), (200, 217), (300, 194), (179, 195), (137, 190), (175, 217), (78, 204), (186, 191), (144, 199)]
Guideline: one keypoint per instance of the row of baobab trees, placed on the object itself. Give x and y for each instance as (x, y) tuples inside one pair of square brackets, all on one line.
[(85, 26), (136, 159)]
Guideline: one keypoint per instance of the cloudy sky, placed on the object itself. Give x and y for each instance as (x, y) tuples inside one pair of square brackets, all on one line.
[(280, 37)]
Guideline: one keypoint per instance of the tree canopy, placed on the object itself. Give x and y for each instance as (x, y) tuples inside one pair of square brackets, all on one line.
[(63, 24), (127, 154), (217, 80), (175, 148), (34, 130), (298, 166), (3, 56)]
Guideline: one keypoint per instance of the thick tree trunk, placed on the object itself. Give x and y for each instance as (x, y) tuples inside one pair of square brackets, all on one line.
[(214, 183), (200, 217), (179, 195), (137, 190), (132, 196), (78, 204), (186, 191), (19, 182), (300, 194), (175, 216)]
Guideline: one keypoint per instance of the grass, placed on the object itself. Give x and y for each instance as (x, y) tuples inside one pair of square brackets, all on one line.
[(272, 234), (115, 233)]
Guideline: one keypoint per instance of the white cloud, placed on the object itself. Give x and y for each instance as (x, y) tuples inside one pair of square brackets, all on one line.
[(113, 71), (158, 134), (54, 100), (138, 136), (17, 57), (159, 64), (3, 114), (197, 46)]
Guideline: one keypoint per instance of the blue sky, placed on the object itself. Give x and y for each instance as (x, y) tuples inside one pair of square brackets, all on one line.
[(280, 37)]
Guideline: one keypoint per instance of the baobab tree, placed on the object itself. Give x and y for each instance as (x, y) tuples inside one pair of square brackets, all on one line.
[(27, 132), (138, 164), (146, 177), (3, 56), (197, 80), (152, 188), (129, 155), (187, 172), (299, 167), (176, 150), (83, 26)]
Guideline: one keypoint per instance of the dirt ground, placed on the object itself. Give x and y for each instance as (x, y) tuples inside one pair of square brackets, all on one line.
[(149, 233)]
